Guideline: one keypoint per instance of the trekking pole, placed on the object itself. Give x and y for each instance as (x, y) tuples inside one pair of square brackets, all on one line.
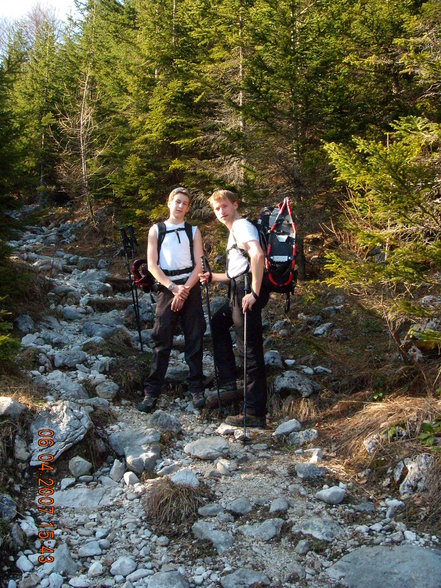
[(206, 268), (133, 243), (127, 246), (245, 350)]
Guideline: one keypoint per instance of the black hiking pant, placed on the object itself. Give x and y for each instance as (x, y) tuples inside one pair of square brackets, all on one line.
[(231, 314), (193, 325)]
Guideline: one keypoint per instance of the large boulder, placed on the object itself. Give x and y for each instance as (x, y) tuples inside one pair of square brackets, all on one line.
[(69, 423), (292, 382), (140, 448), (403, 566)]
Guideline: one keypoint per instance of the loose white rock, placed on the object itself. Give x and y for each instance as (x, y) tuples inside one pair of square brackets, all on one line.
[(185, 478), (79, 466), (123, 566), (333, 495), (287, 427)]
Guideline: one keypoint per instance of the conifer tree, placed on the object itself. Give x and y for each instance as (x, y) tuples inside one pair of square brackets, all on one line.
[(390, 247), (421, 57), (33, 97), (10, 159)]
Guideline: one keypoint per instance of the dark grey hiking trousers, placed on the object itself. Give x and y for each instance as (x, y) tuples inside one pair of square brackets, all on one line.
[(231, 314), (193, 325)]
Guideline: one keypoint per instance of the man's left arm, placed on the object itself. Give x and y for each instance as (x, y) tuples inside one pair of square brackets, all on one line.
[(257, 262)]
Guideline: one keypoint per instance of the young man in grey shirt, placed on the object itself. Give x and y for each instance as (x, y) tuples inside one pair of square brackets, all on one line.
[(245, 264)]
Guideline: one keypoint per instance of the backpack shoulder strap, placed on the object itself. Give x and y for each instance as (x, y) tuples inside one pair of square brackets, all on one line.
[(161, 235), (240, 250), (235, 245), (189, 230)]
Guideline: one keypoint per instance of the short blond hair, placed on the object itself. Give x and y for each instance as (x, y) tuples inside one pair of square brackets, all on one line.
[(179, 190), (219, 195)]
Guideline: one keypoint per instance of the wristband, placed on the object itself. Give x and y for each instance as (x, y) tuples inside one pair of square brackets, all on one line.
[(256, 296)]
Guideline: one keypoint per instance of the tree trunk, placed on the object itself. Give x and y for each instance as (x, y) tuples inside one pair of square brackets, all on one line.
[(174, 25), (241, 80), (83, 131)]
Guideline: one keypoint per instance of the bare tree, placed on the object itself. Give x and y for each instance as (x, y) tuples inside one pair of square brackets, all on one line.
[(78, 143)]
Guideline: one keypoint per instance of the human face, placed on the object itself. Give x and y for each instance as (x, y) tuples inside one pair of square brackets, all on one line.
[(225, 211), (179, 206)]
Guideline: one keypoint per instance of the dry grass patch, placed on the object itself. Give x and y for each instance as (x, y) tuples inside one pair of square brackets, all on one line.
[(302, 409), (348, 431), (306, 410), (171, 508), (23, 390)]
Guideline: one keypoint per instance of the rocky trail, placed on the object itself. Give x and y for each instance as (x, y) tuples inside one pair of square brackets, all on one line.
[(272, 512)]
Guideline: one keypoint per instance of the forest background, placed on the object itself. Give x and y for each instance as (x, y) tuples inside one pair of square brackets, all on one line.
[(335, 103)]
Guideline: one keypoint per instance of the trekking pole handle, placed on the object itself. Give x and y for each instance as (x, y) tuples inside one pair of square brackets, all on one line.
[(133, 240), (206, 268), (125, 240), (246, 286)]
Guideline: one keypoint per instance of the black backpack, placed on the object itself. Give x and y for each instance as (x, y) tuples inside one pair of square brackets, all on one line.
[(277, 236), (143, 278)]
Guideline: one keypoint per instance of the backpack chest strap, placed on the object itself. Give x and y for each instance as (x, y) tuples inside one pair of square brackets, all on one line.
[(163, 231)]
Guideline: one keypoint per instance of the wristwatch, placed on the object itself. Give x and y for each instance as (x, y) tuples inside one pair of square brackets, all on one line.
[(171, 286)]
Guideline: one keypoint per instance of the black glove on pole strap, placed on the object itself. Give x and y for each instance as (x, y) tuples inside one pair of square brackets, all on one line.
[(245, 351), (206, 268), (127, 247)]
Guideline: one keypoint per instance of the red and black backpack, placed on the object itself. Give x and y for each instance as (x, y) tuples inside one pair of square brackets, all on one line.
[(277, 236), (277, 233)]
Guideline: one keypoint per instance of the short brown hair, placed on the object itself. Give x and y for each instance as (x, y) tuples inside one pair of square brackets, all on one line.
[(179, 190), (219, 195)]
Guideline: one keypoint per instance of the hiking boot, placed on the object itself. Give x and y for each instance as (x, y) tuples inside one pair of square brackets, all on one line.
[(228, 393), (252, 421), (148, 404), (198, 399)]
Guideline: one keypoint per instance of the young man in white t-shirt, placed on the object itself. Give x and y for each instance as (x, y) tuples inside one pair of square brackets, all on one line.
[(176, 269), (245, 264)]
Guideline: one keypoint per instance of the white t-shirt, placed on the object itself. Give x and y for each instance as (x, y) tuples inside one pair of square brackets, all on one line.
[(241, 232), (175, 250)]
